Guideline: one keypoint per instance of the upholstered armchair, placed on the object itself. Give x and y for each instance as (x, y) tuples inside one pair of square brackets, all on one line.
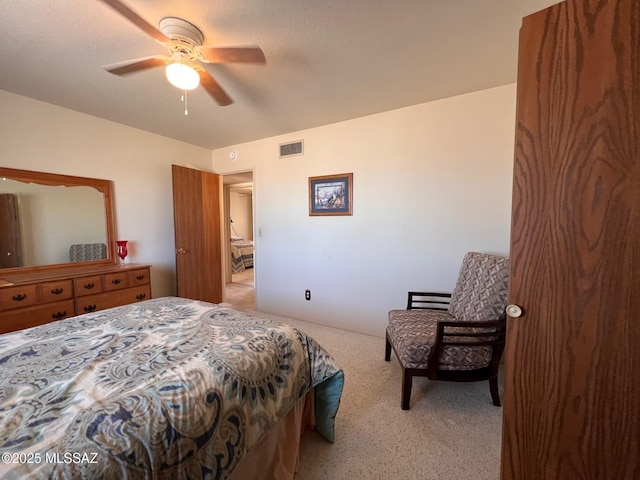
[(458, 336), (81, 252)]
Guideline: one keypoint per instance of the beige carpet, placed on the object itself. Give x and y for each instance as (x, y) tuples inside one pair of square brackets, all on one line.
[(452, 430), (243, 278)]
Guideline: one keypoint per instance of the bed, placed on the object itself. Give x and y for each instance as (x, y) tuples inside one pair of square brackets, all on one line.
[(165, 388), (241, 254)]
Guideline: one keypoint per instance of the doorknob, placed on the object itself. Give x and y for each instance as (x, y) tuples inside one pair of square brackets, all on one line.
[(180, 250), (514, 311)]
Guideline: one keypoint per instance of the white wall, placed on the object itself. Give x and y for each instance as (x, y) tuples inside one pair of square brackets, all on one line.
[(431, 182), (240, 209), (39, 136)]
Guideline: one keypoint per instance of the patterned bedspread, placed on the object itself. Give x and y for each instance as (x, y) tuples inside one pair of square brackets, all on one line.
[(241, 254), (166, 388)]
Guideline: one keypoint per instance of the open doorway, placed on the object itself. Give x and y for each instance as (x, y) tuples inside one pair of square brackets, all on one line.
[(240, 259)]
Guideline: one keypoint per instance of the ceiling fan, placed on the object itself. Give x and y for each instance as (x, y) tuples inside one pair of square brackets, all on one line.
[(184, 41)]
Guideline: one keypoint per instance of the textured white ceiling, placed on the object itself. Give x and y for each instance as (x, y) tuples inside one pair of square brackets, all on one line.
[(327, 60)]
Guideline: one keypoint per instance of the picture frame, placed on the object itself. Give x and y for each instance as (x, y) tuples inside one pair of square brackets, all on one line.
[(331, 195)]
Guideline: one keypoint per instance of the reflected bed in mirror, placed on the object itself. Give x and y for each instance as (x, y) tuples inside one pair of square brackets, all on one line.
[(52, 220)]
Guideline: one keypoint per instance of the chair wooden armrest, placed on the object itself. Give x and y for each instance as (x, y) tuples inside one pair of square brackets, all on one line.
[(428, 301), (455, 333)]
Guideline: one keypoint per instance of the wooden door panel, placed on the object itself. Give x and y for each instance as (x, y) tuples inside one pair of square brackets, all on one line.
[(197, 219), (572, 387), (10, 232)]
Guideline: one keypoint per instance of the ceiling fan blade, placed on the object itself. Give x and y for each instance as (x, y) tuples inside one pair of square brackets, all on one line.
[(137, 20), (232, 54), (213, 89), (132, 66)]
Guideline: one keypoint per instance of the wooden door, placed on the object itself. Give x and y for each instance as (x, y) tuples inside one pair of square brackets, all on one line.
[(572, 360), (10, 232), (197, 220)]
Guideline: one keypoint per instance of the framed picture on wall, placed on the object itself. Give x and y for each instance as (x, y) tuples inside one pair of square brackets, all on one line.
[(331, 194)]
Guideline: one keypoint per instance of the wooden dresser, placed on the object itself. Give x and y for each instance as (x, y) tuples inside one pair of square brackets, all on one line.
[(30, 299)]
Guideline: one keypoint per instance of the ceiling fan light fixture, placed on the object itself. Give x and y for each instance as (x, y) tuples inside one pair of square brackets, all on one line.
[(182, 76), (184, 42)]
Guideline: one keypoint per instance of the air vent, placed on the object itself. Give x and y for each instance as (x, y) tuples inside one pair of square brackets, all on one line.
[(292, 149)]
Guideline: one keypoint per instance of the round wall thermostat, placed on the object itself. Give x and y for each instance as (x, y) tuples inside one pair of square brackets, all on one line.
[(233, 155)]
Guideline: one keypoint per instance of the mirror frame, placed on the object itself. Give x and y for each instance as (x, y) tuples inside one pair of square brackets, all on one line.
[(54, 179)]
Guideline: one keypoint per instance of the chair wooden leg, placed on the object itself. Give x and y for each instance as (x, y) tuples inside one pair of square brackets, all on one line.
[(387, 348), (407, 381), (495, 394)]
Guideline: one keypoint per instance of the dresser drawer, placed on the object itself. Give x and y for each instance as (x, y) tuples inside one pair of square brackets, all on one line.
[(18, 297), (87, 285), (138, 294), (116, 298), (30, 317), (139, 277), (115, 281), (55, 291)]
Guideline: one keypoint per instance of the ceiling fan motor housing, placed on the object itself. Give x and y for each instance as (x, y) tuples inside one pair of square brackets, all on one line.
[(185, 36)]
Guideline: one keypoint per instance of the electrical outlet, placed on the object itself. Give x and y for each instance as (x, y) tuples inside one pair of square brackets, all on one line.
[(307, 294)]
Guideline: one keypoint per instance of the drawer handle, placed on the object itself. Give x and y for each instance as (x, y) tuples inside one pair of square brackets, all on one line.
[(19, 297), (141, 296), (57, 291), (140, 277), (89, 286), (59, 315), (90, 308), (116, 281)]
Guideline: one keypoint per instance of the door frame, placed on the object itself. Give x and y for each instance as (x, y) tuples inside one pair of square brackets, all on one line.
[(226, 231)]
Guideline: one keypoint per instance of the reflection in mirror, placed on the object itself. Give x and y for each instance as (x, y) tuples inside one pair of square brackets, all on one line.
[(48, 219)]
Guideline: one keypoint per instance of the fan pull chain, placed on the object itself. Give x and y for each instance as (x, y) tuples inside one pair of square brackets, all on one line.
[(184, 100)]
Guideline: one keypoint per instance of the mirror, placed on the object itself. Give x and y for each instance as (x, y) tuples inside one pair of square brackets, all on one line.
[(43, 214)]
